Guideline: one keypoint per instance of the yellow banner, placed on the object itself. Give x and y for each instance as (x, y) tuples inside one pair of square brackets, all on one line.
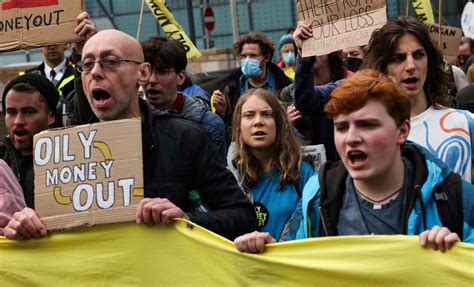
[(128, 254), (171, 27), (423, 10)]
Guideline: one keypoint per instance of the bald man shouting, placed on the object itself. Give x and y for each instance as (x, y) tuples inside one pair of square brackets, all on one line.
[(177, 156)]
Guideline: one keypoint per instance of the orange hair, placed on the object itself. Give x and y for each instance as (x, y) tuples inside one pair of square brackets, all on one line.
[(353, 93)]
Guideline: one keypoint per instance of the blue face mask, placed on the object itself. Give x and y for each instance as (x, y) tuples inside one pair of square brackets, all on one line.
[(289, 58), (250, 68)]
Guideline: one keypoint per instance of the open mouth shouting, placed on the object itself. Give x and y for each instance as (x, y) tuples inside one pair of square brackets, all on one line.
[(101, 97), (153, 93), (20, 135), (356, 158), (410, 82)]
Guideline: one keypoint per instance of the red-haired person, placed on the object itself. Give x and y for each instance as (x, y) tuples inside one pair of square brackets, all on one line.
[(383, 184)]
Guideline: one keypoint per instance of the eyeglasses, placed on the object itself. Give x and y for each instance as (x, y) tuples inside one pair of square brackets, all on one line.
[(162, 72), (107, 64)]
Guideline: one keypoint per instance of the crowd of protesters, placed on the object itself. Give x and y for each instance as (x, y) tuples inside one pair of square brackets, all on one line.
[(375, 139)]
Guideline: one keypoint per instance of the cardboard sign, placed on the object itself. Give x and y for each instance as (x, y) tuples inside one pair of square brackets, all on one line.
[(450, 40), (36, 23), (88, 175), (340, 24)]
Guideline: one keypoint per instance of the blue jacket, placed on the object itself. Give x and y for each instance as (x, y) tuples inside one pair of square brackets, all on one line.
[(199, 112), (196, 91), (318, 211)]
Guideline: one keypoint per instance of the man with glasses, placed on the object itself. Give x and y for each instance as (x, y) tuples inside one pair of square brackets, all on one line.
[(168, 63), (177, 156), (255, 51)]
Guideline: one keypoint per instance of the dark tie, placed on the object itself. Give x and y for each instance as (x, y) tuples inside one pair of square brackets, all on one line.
[(53, 75)]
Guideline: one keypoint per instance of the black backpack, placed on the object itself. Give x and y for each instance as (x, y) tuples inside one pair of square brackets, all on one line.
[(449, 203)]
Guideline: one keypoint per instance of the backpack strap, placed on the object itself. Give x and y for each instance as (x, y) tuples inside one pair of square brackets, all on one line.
[(449, 203)]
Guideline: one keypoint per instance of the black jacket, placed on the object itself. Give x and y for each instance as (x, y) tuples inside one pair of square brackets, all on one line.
[(311, 100), (22, 168), (82, 113), (179, 156), (69, 71)]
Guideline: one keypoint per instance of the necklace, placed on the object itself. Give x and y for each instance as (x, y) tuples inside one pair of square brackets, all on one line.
[(379, 201), (377, 205)]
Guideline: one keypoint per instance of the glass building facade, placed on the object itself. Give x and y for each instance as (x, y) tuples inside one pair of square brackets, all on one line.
[(272, 17)]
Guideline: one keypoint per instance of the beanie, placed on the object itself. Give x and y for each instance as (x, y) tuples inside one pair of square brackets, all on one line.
[(285, 39), (44, 86)]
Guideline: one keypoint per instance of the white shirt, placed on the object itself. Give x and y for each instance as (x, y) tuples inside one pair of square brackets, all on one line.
[(448, 134), (59, 69)]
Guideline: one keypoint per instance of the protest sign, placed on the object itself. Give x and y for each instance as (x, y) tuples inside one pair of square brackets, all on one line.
[(467, 20), (36, 23), (88, 175), (423, 10), (172, 29), (340, 24), (450, 40)]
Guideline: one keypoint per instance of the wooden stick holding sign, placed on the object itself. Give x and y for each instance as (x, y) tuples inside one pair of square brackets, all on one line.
[(440, 16), (140, 20)]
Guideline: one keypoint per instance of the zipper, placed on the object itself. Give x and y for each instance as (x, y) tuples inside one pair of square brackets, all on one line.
[(322, 220), (410, 208)]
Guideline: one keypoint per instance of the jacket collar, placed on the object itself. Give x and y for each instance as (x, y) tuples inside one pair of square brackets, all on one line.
[(332, 187)]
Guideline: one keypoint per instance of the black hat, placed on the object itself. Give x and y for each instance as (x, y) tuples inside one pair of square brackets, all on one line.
[(44, 86)]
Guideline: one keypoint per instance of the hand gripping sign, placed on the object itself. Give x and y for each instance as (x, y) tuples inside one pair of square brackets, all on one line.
[(88, 175)]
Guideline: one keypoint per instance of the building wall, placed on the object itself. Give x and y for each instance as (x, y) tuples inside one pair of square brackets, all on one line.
[(270, 16)]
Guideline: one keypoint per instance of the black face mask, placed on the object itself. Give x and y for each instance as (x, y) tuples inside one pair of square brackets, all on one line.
[(353, 64)]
